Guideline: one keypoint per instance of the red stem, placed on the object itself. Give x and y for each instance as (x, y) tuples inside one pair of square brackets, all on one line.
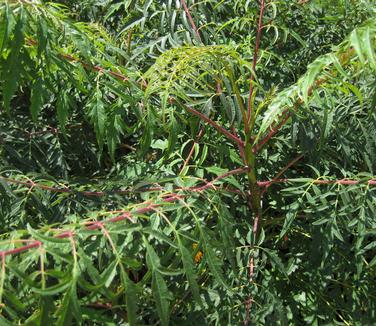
[(172, 197), (344, 182), (225, 175), (191, 152), (222, 130), (186, 10), (31, 184), (96, 68), (255, 56), (271, 133), (91, 226), (34, 244)]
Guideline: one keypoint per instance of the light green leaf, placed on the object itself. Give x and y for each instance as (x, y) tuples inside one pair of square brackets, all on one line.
[(54, 289)]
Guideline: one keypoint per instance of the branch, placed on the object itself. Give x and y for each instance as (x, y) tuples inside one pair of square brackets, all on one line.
[(90, 226), (255, 56), (344, 59), (207, 184), (172, 197), (96, 68), (32, 184), (344, 182), (271, 133), (143, 84), (222, 130), (191, 152), (254, 192), (87, 66), (225, 175), (289, 165), (186, 10), (280, 173)]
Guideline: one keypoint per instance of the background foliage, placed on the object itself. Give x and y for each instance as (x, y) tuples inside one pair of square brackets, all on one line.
[(104, 220)]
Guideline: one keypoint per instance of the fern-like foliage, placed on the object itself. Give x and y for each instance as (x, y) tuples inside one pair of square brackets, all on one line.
[(133, 144)]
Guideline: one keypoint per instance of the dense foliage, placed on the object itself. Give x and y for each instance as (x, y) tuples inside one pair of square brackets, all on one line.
[(188, 162)]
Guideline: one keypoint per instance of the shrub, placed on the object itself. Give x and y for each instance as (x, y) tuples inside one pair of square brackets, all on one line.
[(161, 164)]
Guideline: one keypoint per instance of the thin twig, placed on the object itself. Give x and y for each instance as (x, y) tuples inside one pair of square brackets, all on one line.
[(192, 150), (225, 175), (255, 56), (222, 130), (193, 25), (280, 173), (271, 133)]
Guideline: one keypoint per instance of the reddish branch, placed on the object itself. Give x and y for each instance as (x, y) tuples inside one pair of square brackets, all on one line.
[(344, 58), (225, 175), (255, 56), (143, 84), (192, 150), (279, 174), (96, 68), (32, 184), (207, 184), (168, 198), (285, 116), (193, 25), (92, 225), (100, 305), (222, 130), (289, 165), (87, 66), (33, 244), (272, 132), (343, 182)]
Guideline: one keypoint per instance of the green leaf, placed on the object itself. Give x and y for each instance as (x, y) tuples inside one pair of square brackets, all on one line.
[(160, 236), (39, 236), (12, 66), (211, 259), (356, 42), (160, 291), (109, 273), (36, 99), (65, 312), (42, 34), (130, 297), (5, 27), (275, 260), (173, 134), (98, 116), (5, 322), (54, 289), (189, 269), (161, 297), (46, 309), (63, 105), (289, 219)]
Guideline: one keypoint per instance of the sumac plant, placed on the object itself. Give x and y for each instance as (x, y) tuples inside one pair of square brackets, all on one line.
[(188, 162)]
